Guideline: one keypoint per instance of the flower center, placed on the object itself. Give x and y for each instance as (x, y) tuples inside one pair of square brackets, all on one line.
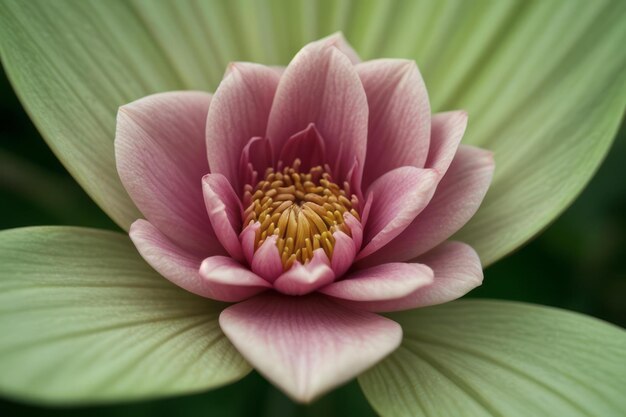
[(303, 209)]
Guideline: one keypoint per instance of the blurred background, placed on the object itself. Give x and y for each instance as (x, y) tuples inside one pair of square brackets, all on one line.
[(577, 263)]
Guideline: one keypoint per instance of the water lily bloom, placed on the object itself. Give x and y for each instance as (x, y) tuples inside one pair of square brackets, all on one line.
[(311, 197)]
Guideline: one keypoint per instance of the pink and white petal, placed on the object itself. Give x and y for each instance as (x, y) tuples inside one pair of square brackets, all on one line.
[(397, 198), (321, 86), (377, 288), (266, 260), (344, 253), (229, 280), (339, 41), (239, 111), (446, 133), (248, 239), (399, 118), (308, 345), (159, 151), (255, 158), (168, 259), (224, 210), (457, 271), (303, 279), (307, 146), (458, 196)]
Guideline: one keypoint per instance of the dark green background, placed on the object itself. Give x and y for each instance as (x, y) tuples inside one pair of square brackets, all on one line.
[(578, 263)]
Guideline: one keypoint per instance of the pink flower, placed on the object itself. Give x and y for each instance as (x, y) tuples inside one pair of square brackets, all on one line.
[(312, 197)]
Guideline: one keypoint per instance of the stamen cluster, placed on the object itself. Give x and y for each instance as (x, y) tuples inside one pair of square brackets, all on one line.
[(303, 209)]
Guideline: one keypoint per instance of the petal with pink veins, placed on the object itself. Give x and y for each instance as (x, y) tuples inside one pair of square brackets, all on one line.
[(457, 271), (457, 198), (239, 111), (256, 157), (248, 240), (303, 279), (229, 280), (266, 260), (306, 145), (446, 133), (168, 259), (339, 41), (397, 198), (321, 86), (308, 345), (224, 210), (344, 252), (379, 287), (399, 116), (160, 153)]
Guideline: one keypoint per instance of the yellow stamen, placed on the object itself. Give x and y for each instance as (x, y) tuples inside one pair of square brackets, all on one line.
[(303, 209)]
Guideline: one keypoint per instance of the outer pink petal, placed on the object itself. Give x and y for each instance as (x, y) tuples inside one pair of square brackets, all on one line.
[(321, 86), (446, 134), (308, 345), (339, 41), (303, 279), (224, 210), (399, 119), (457, 198), (239, 111), (456, 269), (230, 281), (381, 285), (169, 260), (398, 197), (159, 151)]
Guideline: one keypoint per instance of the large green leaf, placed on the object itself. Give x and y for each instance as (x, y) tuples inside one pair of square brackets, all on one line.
[(83, 317), (543, 81), (494, 358)]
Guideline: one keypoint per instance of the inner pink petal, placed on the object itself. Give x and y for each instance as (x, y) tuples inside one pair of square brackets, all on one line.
[(307, 146)]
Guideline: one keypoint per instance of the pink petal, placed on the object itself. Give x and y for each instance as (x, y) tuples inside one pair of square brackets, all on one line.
[(343, 253), (308, 345), (306, 145), (321, 86), (457, 198), (169, 260), (339, 41), (457, 271), (159, 150), (446, 134), (230, 281), (248, 238), (224, 210), (378, 288), (399, 119), (303, 279), (266, 260), (239, 112), (356, 229), (256, 157), (397, 198)]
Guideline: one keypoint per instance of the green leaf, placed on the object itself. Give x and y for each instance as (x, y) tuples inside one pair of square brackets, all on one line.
[(84, 318), (495, 358), (543, 82)]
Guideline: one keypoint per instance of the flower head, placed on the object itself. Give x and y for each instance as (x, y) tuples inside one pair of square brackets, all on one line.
[(312, 197)]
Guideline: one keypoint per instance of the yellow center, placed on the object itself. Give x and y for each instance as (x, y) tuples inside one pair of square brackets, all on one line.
[(302, 209)]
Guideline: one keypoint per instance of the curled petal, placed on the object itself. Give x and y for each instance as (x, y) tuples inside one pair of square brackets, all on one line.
[(310, 344), (230, 281), (397, 198), (308, 146), (224, 210), (380, 287), (303, 279), (446, 134), (458, 196), (266, 260)]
